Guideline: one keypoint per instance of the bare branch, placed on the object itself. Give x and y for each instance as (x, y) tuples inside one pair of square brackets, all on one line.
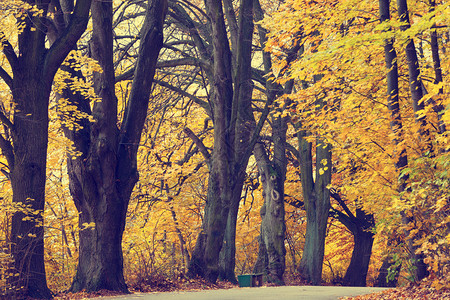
[(6, 77), (203, 150), (337, 197), (8, 50), (7, 151)]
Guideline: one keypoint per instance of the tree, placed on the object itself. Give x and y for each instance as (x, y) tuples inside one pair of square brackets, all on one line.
[(343, 43), (102, 177), (233, 124), (361, 225), (271, 256), (24, 142)]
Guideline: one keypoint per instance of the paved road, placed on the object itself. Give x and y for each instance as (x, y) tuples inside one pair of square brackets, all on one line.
[(262, 293)]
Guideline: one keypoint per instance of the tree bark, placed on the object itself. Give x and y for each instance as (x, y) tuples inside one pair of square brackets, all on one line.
[(272, 252), (360, 225), (362, 250), (273, 226), (103, 177), (233, 124), (227, 262), (33, 71), (415, 83), (316, 197), (359, 265)]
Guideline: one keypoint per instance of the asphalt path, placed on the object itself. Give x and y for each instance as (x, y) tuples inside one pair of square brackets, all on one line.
[(257, 293)]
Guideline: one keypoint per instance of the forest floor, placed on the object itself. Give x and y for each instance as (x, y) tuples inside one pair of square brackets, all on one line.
[(426, 290)]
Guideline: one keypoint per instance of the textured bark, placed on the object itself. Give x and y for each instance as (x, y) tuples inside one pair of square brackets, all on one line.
[(102, 178), (33, 71), (233, 124), (242, 122), (271, 254), (415, 86), (227, 261), (394, 107), (316, 197), (360, 224), (356, 273), (359, 265), (273, 226), (392, 92), (28, 183), (205, 257)]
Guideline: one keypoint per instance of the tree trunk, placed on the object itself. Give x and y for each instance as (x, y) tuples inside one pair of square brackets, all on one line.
[(233, 124), (92, 177), (228, 253), (33, 70), (28, 184), (205, 258), (415, 83), (100, 264), (316, 197), (360, 225), (359, 264), (273, 226), (394, 107), (438, 107), (103, 177)]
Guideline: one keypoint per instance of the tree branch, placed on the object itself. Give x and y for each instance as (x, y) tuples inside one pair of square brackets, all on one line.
[(8, 50), (178, 90), (151, 42), (203, 150), (187, 61), (341, 202), (67, 41), (6, 78), (7, 151)]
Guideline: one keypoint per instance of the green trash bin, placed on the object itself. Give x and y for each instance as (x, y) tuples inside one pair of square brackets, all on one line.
[(245, 280)]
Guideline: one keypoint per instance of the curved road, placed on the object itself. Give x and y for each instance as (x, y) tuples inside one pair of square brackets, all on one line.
[(262, 293)]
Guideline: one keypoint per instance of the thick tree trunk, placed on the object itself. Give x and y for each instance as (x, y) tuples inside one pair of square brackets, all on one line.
[(28, 184), (316, 197), (360, 225), (228, 253), (103, 177), (233, 124), (33, 70), (359, 264), (93, 183), (100, 264), (273, 226), (205, 258)]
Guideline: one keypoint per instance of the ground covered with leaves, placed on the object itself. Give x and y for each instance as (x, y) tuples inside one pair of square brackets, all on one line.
[(153, 285), (428, 289)]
